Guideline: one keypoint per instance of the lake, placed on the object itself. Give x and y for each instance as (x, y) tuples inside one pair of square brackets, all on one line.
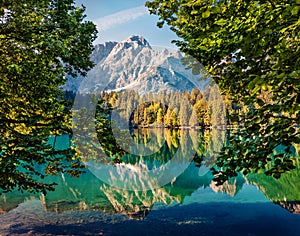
[(165, 188)]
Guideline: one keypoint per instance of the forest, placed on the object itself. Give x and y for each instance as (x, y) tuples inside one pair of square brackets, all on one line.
[(168, 109)]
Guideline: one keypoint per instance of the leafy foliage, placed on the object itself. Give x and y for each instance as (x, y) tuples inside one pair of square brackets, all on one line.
[(109, 136), (40, 42), (251, 49)]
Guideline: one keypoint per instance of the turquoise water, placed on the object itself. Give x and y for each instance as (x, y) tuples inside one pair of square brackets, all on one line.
[(190, 204)]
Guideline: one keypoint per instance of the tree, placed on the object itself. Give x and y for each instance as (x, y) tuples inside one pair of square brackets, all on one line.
[(202, 112), (195, 96), (160, 116), (184, 112), (251, 50), (216, 106), (194, 121), (40, 43), (174, 119), (109, 150), (167, 118)]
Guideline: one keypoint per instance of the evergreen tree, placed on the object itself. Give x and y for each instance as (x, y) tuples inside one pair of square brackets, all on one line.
[(194, 121), (160, 116), (184, 112), (202, 112), (174, 119), (167, 117)]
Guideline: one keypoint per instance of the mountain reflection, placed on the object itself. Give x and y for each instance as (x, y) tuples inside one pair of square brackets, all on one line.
[(135, 193)]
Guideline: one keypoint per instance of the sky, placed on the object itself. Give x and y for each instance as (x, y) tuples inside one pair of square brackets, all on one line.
[(116, 20)]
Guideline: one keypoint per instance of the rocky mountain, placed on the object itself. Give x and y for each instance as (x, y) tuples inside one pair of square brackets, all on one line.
[(101, 51), (134, 65)]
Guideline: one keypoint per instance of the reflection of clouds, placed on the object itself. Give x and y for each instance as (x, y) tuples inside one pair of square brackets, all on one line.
[(120, 17)]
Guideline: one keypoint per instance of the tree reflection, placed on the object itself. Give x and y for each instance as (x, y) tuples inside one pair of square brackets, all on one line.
[(90, 193), (240, 154)]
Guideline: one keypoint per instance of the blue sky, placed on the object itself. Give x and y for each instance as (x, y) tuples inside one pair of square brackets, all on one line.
[(118, 19)]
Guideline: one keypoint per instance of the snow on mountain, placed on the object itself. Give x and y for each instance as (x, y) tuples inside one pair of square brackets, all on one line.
[(101, 51), (134, 65)]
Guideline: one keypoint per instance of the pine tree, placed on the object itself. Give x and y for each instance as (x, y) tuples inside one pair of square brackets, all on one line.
[(184, 112), (174, 119), (160, 116)]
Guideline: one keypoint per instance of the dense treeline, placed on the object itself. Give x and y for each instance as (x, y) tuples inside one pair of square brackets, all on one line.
[(218, 108), (117, 112), (169, 109)]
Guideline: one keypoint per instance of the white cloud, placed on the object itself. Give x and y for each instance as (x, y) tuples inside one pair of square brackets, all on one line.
[(120, 17)]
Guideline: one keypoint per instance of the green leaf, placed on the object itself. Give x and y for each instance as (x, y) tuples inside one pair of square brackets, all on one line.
[(221, 22), (194, 12), (160, 24), (255, 90), (206, 14), (295, 10)]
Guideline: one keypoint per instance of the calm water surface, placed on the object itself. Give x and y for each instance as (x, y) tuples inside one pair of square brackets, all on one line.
[(190, 204)]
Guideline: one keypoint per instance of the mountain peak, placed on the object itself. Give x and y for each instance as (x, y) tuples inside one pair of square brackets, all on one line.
[(140, 40), (133, 65)]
